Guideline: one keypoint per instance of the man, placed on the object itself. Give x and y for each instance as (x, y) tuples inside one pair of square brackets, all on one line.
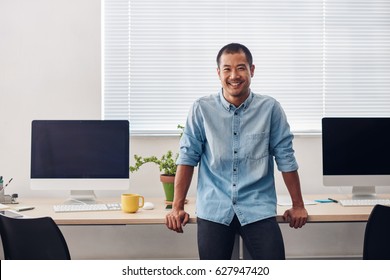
[(235, 137)]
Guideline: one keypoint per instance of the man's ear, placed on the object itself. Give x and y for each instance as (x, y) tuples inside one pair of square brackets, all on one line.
[(252, 70)]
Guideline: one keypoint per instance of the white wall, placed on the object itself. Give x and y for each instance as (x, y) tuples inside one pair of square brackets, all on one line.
[(50, 68)]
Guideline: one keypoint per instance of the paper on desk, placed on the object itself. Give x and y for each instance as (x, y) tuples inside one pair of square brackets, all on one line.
[(3, 206), (286, 201)]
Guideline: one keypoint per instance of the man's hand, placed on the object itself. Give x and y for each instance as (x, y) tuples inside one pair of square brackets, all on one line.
[(296, 216), (176, 220)]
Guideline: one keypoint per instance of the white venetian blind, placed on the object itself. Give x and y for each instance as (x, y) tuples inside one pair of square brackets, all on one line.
[(357, 58), (316, 57), (116, 59)]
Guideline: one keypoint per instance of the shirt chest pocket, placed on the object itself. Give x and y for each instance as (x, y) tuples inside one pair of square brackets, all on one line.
[(256, 146)]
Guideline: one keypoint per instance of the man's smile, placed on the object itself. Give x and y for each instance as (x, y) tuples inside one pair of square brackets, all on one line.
[(235, 83)]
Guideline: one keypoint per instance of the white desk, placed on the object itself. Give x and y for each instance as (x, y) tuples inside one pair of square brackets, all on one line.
[(332, 231), (44, 207), (322, 212)]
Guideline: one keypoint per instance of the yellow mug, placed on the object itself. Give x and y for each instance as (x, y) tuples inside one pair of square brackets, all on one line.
[(132, 202)]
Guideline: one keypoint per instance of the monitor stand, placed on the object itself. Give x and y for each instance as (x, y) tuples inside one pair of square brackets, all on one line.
[(367, 192), (81, 197)]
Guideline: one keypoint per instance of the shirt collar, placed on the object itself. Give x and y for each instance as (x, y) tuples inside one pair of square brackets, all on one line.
[(228, 106)]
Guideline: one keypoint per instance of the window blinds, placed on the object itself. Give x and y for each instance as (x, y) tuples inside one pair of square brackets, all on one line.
[(357, 58), (318, 58)]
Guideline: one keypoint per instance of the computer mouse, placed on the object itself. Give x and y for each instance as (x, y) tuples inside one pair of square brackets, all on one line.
[(148, 206)]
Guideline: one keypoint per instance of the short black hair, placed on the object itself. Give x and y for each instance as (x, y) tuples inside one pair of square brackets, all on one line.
[(235, 48)]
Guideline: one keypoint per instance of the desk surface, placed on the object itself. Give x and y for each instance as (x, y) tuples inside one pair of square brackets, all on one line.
[(322, 212), (44, 207)]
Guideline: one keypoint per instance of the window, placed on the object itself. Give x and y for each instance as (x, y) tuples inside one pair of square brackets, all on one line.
[(317, 57)]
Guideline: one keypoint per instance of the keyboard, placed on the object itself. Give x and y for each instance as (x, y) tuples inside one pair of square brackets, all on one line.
[(87, 207), (364, 202)]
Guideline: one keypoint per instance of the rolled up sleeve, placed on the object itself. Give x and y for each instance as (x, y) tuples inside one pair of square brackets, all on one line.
[(281, 141), (191, 142)]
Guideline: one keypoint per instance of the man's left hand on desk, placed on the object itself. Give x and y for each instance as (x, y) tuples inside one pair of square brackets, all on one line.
[(296, 216)]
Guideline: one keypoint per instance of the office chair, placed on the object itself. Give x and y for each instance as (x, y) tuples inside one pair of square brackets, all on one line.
[(32, 239), (377, 235)]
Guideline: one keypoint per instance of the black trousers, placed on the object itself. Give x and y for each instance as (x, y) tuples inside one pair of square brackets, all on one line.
[(263, 239)]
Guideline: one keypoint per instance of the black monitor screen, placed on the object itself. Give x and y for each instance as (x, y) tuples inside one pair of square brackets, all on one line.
[(356, 146), (80, 149)]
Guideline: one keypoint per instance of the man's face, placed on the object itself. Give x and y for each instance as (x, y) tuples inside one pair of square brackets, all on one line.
[(235, 75)]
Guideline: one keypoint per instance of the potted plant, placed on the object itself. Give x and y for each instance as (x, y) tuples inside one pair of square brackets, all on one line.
[(167, 165)]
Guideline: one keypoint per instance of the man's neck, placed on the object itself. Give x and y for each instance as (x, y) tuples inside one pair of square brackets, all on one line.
[(236, 101)]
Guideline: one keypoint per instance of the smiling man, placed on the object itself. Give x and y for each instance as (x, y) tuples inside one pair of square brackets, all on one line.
[(235, 71), (235, 136)]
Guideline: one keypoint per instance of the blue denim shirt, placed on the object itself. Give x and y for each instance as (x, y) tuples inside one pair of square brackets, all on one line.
[(235, 149)]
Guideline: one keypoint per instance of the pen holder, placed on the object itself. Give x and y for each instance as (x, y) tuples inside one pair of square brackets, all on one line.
[(5, 198)]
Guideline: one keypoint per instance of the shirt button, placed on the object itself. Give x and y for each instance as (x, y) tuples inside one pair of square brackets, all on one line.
[(235, 152), (235, 133)]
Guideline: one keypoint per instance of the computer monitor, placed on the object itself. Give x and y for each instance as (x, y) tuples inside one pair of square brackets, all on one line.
[(80, 156), (356, 152)]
